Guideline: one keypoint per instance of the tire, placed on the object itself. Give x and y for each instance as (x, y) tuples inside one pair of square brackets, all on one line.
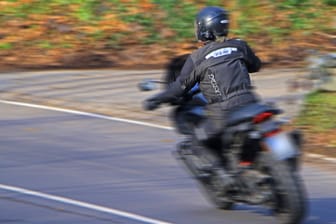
[(288, 192)]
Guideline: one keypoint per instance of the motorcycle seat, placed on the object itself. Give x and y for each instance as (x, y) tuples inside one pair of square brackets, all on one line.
[(248, 112)]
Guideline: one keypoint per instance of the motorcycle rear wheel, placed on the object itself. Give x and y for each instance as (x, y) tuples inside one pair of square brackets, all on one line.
[(288, 194)]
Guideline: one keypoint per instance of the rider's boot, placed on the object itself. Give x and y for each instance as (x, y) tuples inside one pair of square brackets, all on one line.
[(189, 152), (184, 147), (224, 179), (217, 170), (215, 165), (222, 170)]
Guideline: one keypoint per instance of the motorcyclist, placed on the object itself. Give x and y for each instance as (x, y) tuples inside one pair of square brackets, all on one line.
[(221, 69)]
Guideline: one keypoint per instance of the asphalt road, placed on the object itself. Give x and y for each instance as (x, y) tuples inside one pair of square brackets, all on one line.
[(115, 92), (60, 168)]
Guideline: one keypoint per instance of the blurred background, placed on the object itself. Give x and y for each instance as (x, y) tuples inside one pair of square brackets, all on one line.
[(107, 33), (146, 34)]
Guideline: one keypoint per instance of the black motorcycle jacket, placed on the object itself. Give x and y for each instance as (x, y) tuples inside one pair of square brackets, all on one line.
[(222, 71)]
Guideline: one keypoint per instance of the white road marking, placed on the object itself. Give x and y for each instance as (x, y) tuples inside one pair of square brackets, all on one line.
[(94, 115), (82, 204), (318, 156)]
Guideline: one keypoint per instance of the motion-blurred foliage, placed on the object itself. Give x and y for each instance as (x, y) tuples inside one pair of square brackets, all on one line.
[(319, 112), (318, 120), (277, 29)]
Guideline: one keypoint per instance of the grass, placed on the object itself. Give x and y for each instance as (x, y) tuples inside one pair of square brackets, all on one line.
[(252, 17), (5, 46), (180, 17), (318, 121), (45, 44), (319, 114)]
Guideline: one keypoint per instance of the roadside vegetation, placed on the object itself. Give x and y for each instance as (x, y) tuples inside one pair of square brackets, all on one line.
[(75, 33), (319, 112), (318, 121)]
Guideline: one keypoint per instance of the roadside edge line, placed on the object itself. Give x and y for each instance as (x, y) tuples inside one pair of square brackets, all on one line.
[(82, 204), (94, 115), (319, 156)]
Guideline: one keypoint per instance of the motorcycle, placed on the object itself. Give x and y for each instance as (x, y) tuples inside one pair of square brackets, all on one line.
[(262, 159)]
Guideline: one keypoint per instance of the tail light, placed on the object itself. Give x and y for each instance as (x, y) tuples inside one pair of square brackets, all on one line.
[(262, 117), (268, 129)]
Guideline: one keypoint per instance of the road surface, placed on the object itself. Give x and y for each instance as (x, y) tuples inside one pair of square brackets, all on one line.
[(61, 167), (115, 92)]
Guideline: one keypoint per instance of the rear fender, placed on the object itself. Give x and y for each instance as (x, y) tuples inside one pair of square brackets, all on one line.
[(282, 146)]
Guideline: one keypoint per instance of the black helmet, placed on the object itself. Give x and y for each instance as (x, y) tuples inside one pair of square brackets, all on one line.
[(211, 22)]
